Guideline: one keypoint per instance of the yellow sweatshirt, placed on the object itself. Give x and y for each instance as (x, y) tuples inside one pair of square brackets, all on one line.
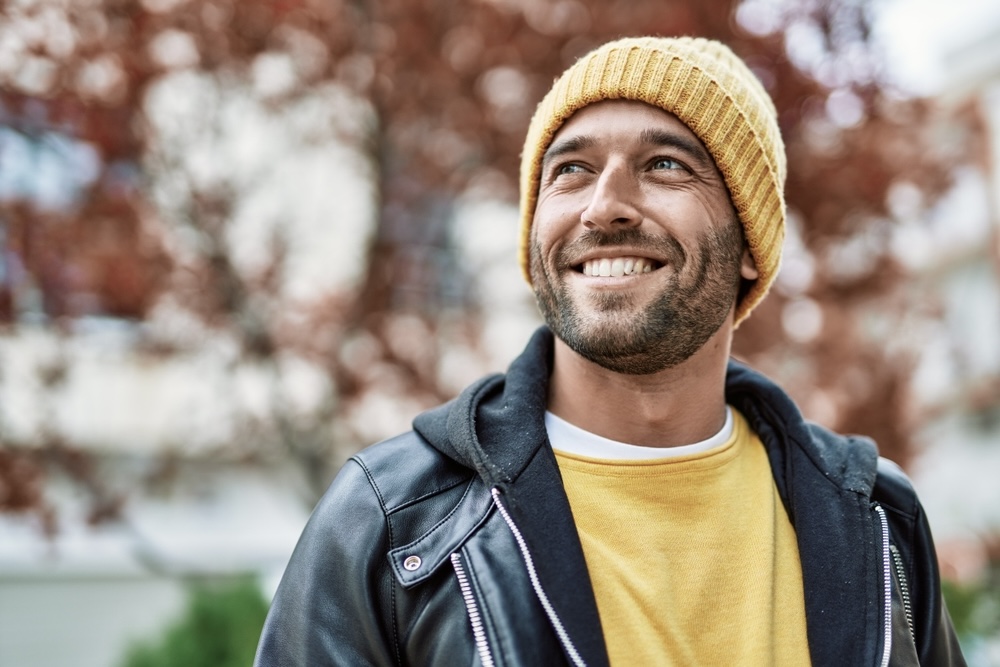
[(692, 558)]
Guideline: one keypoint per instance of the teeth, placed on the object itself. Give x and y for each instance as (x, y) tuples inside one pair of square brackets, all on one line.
[(617, 267)]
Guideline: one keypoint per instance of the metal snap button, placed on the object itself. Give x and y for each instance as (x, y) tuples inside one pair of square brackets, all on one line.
[(412, 563)]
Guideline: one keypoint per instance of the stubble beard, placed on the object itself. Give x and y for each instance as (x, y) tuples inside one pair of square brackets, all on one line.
[(620, 337)]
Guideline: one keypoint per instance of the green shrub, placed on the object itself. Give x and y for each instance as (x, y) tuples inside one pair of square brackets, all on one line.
[(220, 628), (975, 609)]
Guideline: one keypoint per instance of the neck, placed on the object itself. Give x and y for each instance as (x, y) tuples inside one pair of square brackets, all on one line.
[(675, 406)]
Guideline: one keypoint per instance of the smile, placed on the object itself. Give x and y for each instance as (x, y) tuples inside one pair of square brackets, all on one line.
[(616, 267)]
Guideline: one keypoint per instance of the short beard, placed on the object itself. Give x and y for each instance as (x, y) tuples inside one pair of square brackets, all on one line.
[(675, 325)]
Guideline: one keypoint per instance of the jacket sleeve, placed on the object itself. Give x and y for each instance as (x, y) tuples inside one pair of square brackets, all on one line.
[(933, 633), (333, 605)]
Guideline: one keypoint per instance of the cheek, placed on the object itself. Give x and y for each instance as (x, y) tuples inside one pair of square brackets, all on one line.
[(696, 213), (718, 207), (549, 226), (539, 246), (559, 210)]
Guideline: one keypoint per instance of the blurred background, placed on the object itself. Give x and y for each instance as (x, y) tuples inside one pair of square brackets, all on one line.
[(240, 240)]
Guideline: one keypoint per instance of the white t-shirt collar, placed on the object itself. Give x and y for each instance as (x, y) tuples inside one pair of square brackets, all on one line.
[(566, 437)]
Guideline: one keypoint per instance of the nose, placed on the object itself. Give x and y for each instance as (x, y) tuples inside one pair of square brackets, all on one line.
[(612, 200)]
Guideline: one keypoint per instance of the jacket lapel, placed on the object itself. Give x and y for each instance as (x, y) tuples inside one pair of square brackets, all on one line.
[(825, 481), (540, 509), (840, 569), (499, 424)]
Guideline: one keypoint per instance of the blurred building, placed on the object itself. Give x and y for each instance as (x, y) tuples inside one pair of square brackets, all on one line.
[(81, 595), (957, 381)]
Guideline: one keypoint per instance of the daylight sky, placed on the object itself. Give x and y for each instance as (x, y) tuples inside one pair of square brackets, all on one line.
[(918, 33)]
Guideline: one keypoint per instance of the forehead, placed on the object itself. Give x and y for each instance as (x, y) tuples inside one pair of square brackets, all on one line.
[(609, 118)]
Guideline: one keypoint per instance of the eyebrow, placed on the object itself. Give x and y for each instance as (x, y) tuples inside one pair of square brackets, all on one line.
[(569, 145), (662, 138), (650, 136)]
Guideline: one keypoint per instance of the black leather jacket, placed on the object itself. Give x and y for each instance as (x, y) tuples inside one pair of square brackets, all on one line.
[(454, 544)]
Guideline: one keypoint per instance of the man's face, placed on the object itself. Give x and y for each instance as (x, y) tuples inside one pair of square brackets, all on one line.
[(636, 251)]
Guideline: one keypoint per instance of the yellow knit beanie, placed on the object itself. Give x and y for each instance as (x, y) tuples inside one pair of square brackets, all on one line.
[(711, 91)]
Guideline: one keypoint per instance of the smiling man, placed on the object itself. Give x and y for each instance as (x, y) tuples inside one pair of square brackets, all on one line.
[(625, 494)]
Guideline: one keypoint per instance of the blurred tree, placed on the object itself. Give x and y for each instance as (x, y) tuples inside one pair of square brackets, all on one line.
[(433, 97)]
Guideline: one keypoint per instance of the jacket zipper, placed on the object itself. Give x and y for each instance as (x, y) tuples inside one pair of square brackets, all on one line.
[(904, 588), (537, 585), (478, 632), (887, 592)]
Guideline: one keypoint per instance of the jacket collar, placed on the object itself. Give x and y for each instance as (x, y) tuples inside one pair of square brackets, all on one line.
[(496, 427), (825, 481)]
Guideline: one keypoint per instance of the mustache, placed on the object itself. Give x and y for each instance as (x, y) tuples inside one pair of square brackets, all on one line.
[(659, 246)]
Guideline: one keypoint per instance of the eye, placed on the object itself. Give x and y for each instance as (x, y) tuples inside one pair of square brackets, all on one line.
[(569, 168), (666, 163)]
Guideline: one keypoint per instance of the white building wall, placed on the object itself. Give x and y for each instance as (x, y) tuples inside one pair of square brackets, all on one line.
[(82, 619)]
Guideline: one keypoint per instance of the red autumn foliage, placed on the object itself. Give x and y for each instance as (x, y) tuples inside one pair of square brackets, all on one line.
[(451, 87)]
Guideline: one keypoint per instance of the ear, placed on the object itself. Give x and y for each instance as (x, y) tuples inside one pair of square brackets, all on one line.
[(748, 269)]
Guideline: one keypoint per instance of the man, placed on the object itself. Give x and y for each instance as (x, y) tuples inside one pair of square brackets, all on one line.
[(625, 494)]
